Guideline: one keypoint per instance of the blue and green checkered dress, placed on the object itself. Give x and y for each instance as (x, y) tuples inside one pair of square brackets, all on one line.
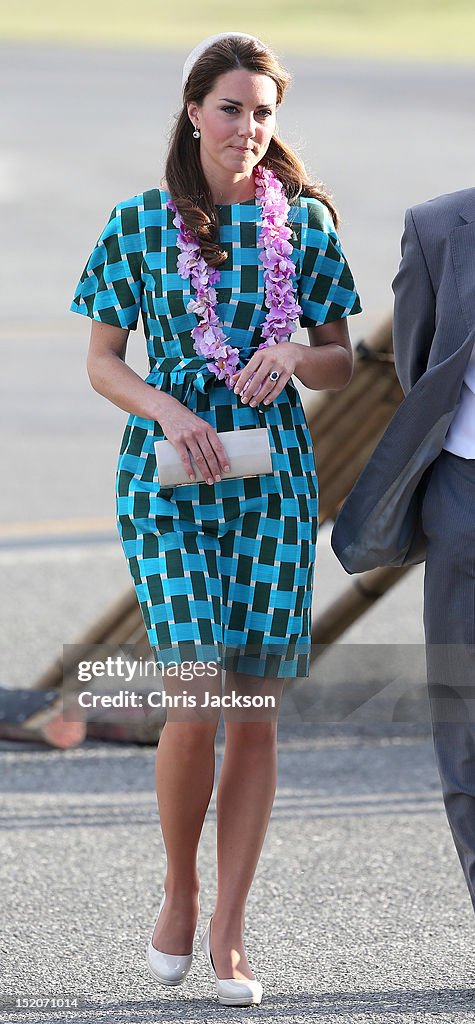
[(224, 570)]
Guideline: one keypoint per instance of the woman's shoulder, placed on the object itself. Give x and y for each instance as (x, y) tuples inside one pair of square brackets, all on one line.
[(314, 213), (150, 199)]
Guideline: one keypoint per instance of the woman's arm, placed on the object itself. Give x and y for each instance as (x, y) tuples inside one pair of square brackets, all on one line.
[(111, 377), (188, 432), (327, 365)]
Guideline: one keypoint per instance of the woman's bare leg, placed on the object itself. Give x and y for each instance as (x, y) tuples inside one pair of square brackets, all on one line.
[(244, 803), (185, 765)]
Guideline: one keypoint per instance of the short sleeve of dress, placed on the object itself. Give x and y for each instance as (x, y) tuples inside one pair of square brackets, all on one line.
[(110, 285), (326, 287)]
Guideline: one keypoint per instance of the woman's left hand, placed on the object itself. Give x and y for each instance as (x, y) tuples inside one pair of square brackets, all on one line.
[(253, 379)]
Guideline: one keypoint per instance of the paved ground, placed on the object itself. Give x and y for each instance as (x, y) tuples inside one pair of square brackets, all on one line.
[(358, 911)]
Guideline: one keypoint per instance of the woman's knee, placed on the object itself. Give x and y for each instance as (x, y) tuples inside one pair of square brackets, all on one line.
[(189, 736), (255, 737)]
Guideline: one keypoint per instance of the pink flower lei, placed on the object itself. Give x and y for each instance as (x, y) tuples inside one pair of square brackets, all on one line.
[(283, 309)]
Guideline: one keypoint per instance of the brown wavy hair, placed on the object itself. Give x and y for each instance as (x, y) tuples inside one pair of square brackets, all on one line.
[(185, 179)]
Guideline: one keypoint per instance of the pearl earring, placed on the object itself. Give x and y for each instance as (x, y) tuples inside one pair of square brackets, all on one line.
[(196, 133)]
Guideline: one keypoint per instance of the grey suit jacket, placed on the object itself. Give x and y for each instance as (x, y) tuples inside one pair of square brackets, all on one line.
[(434, 333)]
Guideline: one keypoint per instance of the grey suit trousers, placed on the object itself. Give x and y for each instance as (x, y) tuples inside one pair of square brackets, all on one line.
[(448, 518)]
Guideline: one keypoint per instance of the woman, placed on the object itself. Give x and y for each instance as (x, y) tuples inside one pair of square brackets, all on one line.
[(223, 568)]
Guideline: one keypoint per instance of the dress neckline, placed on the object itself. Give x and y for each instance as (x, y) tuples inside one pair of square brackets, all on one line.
[(244, 202), (222, 206)]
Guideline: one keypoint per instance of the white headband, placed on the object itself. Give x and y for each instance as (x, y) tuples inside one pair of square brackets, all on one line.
[(205, 43)]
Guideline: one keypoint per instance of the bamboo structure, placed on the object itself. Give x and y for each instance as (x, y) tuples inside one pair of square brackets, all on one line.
[(358, 597), (41, 716), (121, 623), (346, 425)]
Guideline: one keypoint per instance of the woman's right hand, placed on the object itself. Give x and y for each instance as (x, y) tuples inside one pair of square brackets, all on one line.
[(191, 435)]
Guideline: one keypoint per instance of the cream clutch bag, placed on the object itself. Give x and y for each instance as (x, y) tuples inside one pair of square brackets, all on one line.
[(248, 454)]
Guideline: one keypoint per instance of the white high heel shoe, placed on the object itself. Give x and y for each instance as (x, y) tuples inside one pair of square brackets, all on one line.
[(168, 968), (231, 991)]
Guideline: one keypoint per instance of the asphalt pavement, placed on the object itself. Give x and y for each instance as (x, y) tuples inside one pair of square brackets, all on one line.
[(358, 911)]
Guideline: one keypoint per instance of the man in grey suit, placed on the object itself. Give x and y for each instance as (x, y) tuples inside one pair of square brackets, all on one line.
[(415, 498)]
